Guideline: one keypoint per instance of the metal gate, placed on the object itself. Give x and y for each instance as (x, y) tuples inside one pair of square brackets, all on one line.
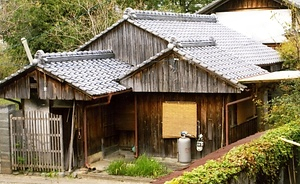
[(37, 142)]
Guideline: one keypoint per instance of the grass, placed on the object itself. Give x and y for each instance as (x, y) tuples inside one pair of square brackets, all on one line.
[(5, 102), (143, 166)]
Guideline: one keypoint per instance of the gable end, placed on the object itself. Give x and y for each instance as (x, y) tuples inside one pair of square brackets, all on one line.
[(174, 74)]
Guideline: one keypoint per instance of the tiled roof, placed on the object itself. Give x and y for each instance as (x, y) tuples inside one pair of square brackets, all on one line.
[(231, 55), (226, 39), (93, 72), (222, 63), (235, 47), (219, 49)]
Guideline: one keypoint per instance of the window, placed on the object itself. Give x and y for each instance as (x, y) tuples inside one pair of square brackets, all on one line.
[(178, 117)]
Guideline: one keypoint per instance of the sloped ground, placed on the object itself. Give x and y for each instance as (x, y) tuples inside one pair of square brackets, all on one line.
[(212, 156)]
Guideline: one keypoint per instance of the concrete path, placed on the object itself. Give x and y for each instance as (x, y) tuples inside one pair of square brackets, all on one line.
[(18, 179)]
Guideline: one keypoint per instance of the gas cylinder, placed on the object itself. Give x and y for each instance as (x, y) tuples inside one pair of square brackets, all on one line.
[(184, 149)]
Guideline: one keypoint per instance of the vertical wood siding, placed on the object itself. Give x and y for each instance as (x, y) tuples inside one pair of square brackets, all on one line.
[(129, 43), (100, 127), (79, 135), (173, 74), (209, 113), (123, 117), (47, 87), (248, 4), (17, 89)]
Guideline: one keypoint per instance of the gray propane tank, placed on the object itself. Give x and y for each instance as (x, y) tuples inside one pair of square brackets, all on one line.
[(184, 148)]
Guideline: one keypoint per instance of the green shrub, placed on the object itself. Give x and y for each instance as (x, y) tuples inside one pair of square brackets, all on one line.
[(285, 107), (142, 166), (261, 158)]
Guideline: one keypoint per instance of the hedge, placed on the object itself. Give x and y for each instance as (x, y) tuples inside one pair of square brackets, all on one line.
[(261, 158)]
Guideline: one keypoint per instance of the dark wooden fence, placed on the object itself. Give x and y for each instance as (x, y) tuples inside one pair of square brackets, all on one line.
[(243, 130), (37, 142)]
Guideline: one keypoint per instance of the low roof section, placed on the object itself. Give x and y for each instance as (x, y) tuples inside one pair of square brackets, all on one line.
[(81, 75), (277, 76)]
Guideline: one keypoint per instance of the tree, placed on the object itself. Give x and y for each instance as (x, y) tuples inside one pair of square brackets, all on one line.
[(183, 6), (284, 108), (51, 25), (290, 49)]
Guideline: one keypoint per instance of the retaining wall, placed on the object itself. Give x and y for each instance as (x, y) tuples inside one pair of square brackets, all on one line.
[(5, 153)]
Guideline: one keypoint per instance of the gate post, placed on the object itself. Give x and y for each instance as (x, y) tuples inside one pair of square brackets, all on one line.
[(5, 150)]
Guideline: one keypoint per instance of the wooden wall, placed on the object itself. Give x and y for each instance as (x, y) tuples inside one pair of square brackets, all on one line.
[(173, 74), (46, 87), (129, 43), (149, 116), (123, 108), (232, 5), (115, 124), (17, 89)]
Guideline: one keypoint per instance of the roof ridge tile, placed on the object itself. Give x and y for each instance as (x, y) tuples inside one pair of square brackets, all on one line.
[(40, 56), (129, 13)]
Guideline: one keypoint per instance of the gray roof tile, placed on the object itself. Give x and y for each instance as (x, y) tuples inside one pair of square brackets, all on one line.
[(237, 54), (89, 71), (222, 63), (94, 76), (93, 72), (226, 39)]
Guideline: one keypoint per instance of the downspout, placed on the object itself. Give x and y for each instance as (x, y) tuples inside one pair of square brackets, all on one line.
[(136, 128), (85, 127), (226, 114), (222, 136)]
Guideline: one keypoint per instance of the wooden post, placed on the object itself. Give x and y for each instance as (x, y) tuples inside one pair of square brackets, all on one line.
[(71, 139)]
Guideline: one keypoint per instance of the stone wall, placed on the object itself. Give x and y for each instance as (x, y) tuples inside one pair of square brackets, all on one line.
[(5, 159)]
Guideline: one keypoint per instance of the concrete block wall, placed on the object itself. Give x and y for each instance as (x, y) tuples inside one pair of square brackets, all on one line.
[(5, 152)]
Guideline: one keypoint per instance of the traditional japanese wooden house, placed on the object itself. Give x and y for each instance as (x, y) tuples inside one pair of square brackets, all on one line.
[(173, 73), (185, 59)]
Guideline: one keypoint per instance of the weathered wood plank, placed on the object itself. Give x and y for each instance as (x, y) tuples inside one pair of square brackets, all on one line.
[(133, 50), (176, 75), (150, 117)]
